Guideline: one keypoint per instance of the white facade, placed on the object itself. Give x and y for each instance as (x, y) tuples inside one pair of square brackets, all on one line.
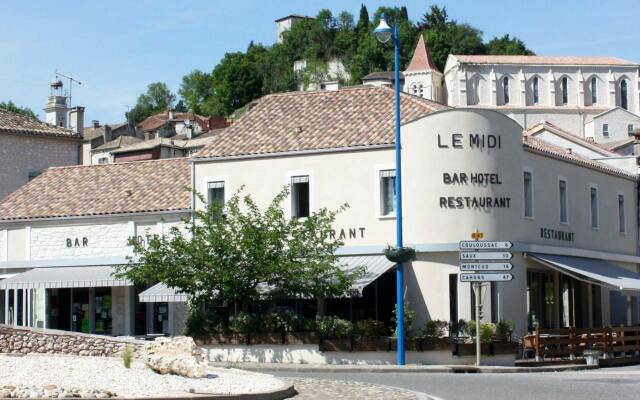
[(437, 214), (529, 90), (612, 126)]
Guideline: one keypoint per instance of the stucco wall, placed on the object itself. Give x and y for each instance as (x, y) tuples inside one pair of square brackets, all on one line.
[(21, 155)]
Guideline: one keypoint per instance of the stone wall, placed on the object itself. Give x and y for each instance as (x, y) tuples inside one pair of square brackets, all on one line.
[(17, 340)]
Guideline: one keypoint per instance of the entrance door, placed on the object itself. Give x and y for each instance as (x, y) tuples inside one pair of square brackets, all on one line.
[(541, 299)]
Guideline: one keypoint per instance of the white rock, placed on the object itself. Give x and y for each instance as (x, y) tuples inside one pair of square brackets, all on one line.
[(178, 356)]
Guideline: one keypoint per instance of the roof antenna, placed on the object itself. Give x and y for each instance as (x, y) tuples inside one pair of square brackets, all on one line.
[(71, 80)]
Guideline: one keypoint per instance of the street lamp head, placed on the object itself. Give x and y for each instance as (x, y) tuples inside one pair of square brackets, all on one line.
[(383, 31)]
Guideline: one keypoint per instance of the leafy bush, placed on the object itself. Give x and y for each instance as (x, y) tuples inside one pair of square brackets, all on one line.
[(504, 329), (280, 320), (305, 325), (434, 329), (244, 323), (458, 328), (409, 315), (196, 326), (369, 328), (334, 327), (487, 331)]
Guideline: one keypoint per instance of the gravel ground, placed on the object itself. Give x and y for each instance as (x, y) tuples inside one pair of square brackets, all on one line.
[(109, 374), (323, 389)]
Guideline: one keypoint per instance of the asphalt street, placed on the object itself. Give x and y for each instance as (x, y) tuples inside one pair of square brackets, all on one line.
[(611, 383)]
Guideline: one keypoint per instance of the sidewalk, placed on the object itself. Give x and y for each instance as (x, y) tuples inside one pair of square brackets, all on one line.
[(266, 367)]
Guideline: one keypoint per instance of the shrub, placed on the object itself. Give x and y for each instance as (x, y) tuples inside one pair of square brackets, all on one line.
[(127, 357), (305, 325), (487, 331), (434, 329), (334, 327), (244, 323), (369, 328), (280, 320), (458, 328), (409, 315), (504, 329)]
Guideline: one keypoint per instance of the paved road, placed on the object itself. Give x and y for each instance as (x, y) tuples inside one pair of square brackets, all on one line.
[(611, 383)]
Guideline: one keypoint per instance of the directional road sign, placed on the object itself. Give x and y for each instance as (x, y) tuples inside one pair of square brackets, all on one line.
[(485, 277), (485, 266), (484, 245), (485, 255)]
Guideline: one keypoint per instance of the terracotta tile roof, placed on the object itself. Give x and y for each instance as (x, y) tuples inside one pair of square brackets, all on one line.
[(118, 142), (297, 121), (542, 60), (538, 145), (15, 123), (156, 121), (545, 125), (617, 144), (421, 59), (121, 188), (389, 75)]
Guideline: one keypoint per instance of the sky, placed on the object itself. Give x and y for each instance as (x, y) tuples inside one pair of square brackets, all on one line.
[(117, 47)]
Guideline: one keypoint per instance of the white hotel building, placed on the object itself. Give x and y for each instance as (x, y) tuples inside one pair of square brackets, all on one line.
[(572, 219)]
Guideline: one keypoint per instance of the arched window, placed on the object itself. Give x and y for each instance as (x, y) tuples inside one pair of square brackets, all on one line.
[(623, 94), (414, 89), (594, 90), (536, 97), (420, 93), (565, 94), (505, 89)]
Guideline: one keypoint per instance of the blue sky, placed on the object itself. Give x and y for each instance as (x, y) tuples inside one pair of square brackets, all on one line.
[(118, 47)]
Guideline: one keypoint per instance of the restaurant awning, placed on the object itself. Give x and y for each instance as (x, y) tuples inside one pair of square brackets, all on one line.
[(375, 266), (591, 270), (161, 293), (64, 277)]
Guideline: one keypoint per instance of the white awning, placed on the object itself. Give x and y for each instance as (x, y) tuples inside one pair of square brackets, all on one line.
[(64, 277), (591, 270), (375, 266), (161, 293)]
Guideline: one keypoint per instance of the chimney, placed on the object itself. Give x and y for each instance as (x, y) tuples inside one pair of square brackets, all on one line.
[(332, 85), (76, 120), (591, 139), (171, 114), (95, 123), (107, 133)]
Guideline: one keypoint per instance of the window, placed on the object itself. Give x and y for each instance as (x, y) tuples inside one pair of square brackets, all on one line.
[(562, 188), (387, 192), (420, 90), (300, 196), (630, 129), (453, 297), (215, 192), (594, 207), (505, 89), (528, 194), (623, 94), (536, 97), (103, 160), (414, 89), (621, 227), (594, 90), (605, 130), (565, 94)]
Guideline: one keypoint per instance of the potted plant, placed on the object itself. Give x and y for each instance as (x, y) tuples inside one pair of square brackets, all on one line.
[(400, 254), (335, 333), (592, 357), (504, 329), (433, 335), (370, 336)]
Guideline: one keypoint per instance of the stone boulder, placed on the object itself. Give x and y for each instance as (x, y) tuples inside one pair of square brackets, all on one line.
[(178, 356)]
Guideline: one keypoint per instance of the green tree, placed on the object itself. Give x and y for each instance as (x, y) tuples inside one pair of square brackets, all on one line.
[(197, 91), (506, 45), (12, 107), (453, 38), (235, 82), (435, 18), (234, 252), (158, 98), (363, 19)]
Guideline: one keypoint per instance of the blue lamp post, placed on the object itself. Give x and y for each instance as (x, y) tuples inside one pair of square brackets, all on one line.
[(383, 33)]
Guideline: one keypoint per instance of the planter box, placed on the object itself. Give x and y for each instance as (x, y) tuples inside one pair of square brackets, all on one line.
[(436, 344), (505, 348), (469, 349), (228, 338), (302, 338), (266, 338), (371, 344), (409, 344), (336, 345)]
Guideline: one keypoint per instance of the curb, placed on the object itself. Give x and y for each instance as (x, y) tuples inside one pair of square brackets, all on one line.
[(404, 369), (279, 394)]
